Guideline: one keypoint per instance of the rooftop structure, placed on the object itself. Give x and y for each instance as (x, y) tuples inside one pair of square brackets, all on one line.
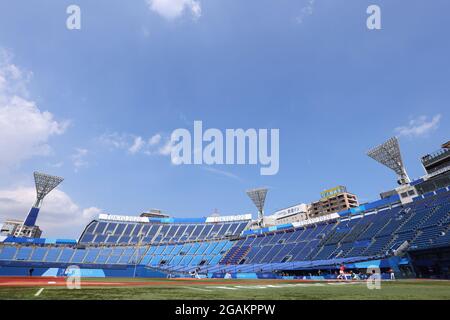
[(437, 160), (333, 200), (16, 228), (291, 214), (154, 213)]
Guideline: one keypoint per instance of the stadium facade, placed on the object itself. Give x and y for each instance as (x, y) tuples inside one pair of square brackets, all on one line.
[(407, 230)]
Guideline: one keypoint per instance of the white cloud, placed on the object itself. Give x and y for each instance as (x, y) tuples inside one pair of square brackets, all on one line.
[(137, 145), (419, 126), (13, 81), (24, 129), (59, 217), (56, 164), (155, 140), (79, 158), (307, 10), (134, 144), (166, 149), (115, 140), (172, 9)]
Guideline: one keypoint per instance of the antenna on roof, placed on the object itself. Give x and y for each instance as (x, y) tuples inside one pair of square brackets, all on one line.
[(215, 213)]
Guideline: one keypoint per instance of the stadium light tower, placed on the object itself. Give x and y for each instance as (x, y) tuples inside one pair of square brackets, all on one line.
[(44, 184), (258, 196), (388, 154)]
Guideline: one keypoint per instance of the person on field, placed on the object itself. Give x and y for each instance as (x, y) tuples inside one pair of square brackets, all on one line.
[(391, 271), (342, 272), (355, 276), (30, 272), (195, 274)]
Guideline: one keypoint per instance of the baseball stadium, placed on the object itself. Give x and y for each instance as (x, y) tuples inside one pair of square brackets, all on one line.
[(332, 250)]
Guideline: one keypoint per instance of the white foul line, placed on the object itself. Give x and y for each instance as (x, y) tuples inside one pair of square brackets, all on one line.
[(193, 288), (279, 286), (39, 292)]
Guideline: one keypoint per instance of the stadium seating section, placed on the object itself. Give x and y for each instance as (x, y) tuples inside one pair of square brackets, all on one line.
[(424, 223), (187, 254), (101, 232)]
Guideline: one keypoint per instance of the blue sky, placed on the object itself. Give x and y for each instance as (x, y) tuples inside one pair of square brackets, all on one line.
[(140, 70)]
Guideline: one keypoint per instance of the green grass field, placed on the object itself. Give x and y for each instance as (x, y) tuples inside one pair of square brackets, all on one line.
[(229, 289)]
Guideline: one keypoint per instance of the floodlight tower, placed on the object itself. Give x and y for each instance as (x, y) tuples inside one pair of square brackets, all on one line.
[(44, 184), (258, 196), (388, 154)]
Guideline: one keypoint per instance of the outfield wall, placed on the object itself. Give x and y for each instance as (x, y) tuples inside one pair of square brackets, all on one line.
[(88, 272)]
